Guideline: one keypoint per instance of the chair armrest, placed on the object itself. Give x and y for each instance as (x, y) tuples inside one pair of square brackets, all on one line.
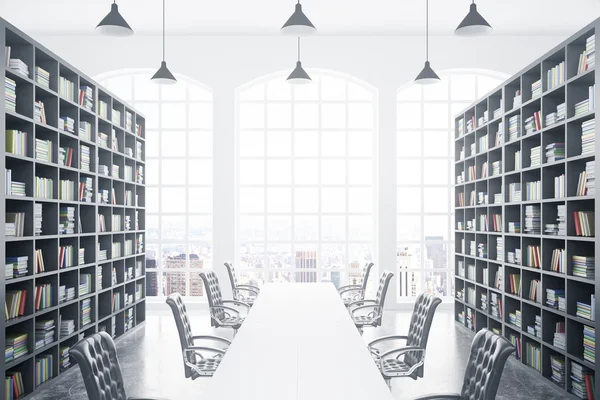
[(366, 306), (250, 291), (228, 309), (401, 351), (358, 302), (350, 289), (215, 338), (385, 338), (255, 288), (341, 288), (195, 349), (237, 303), (440, 396)]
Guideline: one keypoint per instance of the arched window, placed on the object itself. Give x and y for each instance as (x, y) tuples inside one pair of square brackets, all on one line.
[(425, 163), (179, 151), (306, 178)]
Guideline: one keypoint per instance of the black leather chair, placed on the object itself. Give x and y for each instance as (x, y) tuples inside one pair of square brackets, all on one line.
[(222, 315), (354, 292), (243, 293), (99, 365), (195, 363), (370, 312), (489, 353), (408, 360)]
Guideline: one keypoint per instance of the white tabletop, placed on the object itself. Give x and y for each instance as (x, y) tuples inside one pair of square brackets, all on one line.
[(298, 343)]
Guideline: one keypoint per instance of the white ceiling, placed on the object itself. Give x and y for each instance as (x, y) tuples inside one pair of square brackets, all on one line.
[(331, 17)]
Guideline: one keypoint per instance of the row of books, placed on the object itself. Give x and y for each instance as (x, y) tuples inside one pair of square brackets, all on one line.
[(86, 312), (15, 224), (66, 256), (584, 223), (14, 385), (559, 186), (67, 220), (43, 296), (533, 222), (555, 298), (10, 94), (582, 381), (590, 178), (66, 88), (85, 130), (555, 152), (533, 356), (39, 261), (558, 262), (556, 116), (588, 104), (535, 156), (589, 344), (587, 311), (42, 77), (86, 97), (555, 76), (515, 318), (14, 305), (583, 266), (535, 290), (16, 142), (66, 190), (65, 293), (16, 267), (533, 190), (65, 157), (533, 123), (587, 59), (560, 337), (533, 256), (514, 127), (14, 188), (588, 137), (85, 158), (66, 124), (44, 150), (560, 227), (44, 367), (39, 113), (44, 188), (44, 333), (15, 346)]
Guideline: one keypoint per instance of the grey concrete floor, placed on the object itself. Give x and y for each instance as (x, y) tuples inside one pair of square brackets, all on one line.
[(151, 362)]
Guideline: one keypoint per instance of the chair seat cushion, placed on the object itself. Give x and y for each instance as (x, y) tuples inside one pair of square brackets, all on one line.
[(394, 367), (361, 320), (207, 366), (234, 322)]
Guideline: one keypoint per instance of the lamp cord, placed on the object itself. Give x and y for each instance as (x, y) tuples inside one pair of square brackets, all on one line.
[(298, 48), (427, 30), (163, 30)]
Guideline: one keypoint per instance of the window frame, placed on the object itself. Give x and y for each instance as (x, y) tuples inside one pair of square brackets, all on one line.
[(421, 244), (157, 242), (295, 245)]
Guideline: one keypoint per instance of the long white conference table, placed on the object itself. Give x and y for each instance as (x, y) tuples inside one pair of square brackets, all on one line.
[(297, 343)]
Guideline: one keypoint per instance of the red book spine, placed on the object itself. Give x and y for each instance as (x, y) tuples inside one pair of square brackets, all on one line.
[(588, 386), (23, 301), (577, 227)]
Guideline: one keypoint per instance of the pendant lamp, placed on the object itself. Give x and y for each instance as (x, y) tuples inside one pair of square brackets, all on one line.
[(163, 76), (299, 75), (427, 75), (298, 24), (473, 24), (114, 24)]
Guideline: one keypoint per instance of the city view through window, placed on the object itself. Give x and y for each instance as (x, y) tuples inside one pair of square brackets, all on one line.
[(425, 174), (306, 179), (179, 165)]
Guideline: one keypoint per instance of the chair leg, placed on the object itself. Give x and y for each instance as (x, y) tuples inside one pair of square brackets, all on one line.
[(388, 381), (361, 330), (234, 332)]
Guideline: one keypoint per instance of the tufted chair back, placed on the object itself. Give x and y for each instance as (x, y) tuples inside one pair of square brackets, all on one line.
[(232, 279), (489, 353), (365, 276), (418, 331), (213, 292), (384, 282), (97, 359), (184, 329)]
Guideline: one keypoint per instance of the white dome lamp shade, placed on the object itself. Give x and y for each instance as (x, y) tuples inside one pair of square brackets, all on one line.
[(299, 75), (298, 24), (163, 76), (473, 24), (427, 76), (114, 24)]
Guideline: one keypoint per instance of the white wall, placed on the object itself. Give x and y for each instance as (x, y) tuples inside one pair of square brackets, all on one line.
[(226, 62)]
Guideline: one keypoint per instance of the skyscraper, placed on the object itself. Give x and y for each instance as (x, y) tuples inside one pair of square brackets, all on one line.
[(306, 260), (175, 281)]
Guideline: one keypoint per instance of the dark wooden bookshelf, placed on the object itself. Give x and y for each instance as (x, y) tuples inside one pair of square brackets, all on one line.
[(571, 90), (128, 280)]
